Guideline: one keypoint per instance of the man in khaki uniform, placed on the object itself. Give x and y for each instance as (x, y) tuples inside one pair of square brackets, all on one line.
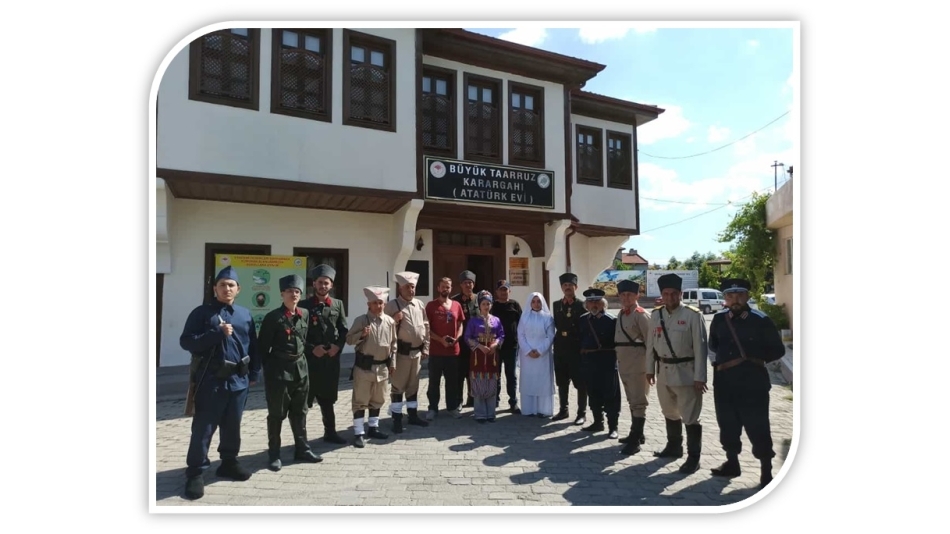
[(412, 327), (633, 328), (374, 337), (678, 345)]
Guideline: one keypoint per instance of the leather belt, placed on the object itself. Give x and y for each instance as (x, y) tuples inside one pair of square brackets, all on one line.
[(629, 344), (588, 351), (673, 360), (286, 356), (732, 363)]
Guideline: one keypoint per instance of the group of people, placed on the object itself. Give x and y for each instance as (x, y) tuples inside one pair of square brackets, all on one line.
[(476, 340)]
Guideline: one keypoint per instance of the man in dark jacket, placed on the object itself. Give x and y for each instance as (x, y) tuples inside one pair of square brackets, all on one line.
[(509, 313), (741, 382)]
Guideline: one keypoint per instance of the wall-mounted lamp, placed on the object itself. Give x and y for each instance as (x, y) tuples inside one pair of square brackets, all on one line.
[(517, 248), (419, 243)]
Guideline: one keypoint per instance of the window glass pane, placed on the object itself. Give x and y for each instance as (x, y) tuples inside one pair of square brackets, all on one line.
[(515, 100), (290, 39), (239, 31), (357, 54), (376, 58), (472, 92), (528, 102), (486, 95), (312, 43), (442, 87), (426, 84)]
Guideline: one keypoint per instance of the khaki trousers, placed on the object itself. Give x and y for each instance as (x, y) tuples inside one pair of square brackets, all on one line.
[(632, 367), (406, 378), (370, 388), (678, 402)]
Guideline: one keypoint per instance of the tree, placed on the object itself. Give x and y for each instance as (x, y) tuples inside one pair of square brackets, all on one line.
[(621, 266), (655, 267), (673, 264), (753, 244), (697, 260), (708, 277)]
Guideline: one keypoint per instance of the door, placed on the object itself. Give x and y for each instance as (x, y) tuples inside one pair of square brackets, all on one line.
[(159, 296), (336, 258), (452, 264), (484, 268)]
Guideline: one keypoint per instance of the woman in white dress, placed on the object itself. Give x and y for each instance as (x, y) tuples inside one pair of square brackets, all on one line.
[(536, 358)]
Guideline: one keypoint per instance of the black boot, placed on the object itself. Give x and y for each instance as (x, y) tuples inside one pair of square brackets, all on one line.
[(674, 440), (233, 470), (766, 477), (273, 443), (397, 423), (329, 426), (414, 418), (636, 432), (562, 399), (596, 426), (729, 468), (582, 407), (195, 487), (358, 441), (694, 445), (302, 452), (375, 433)]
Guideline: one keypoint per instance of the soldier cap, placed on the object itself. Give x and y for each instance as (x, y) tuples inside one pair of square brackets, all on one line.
[(323, 270), (228, 273), (594, 294), (568, 278), (670, 281), (376, 293), (735, 285), (291, 281), (406, 277), (628, 286)]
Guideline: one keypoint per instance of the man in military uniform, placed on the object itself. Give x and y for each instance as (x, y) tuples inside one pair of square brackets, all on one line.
[(470, 306), (283, 338), (412, 329), (678, 346), (599, 363), (633, 328), (225, 362), (567, 349), (374, 336), (741, 382), (326, 337)]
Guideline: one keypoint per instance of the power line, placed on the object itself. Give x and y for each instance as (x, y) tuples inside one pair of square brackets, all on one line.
[(706, 212), (720, 148), (690, 203)]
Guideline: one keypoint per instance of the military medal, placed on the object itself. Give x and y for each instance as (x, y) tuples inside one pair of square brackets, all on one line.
[(569, 312)]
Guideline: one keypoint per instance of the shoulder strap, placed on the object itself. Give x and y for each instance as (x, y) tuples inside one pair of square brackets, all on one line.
[(665, 335), (735, 337), (620, 322), (591, 325)]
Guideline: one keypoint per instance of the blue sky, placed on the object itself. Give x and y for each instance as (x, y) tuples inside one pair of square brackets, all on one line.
[(717, 85)]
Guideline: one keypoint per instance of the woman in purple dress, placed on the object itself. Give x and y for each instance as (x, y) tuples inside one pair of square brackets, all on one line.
[(484, 334)]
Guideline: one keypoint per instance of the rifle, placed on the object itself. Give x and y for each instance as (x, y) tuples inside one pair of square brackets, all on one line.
[(192, 385)]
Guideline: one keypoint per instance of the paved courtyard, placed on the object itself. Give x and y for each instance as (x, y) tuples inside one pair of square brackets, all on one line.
[(518, 461)]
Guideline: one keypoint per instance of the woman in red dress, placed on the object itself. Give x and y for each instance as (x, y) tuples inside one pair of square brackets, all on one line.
[(484, 334)]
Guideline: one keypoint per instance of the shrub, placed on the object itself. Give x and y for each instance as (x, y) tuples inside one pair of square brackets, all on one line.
[(777, 313)]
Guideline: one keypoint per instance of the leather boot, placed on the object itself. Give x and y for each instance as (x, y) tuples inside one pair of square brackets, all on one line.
[(375, 433), (674, 440), (233, 470), (562, 399), (729, 468), (766, 477), (414, 418), (694, 445), (636, 431), (596, 426), (581, 407), (329, 426), (302, 452), (397, 423), (195, 487), (273, 443)]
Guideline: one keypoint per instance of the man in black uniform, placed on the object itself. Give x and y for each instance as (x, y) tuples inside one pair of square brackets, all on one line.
[(509, 313), (599, 363), (469, 305), (326, 337), (282, 339), (567, 349), (741, 382)]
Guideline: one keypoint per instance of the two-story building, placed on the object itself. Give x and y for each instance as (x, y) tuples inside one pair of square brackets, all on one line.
[(382, 150)]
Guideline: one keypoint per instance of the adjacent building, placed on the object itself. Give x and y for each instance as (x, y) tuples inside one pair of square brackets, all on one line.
[(382, 150)]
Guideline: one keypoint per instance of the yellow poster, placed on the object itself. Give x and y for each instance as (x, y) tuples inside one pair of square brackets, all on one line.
[(259, 277)]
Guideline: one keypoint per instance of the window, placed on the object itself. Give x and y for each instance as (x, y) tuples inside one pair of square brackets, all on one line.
[(525, 125), (422, 285), (788, 256), (619, 161), (482, 119), (438, 111), (369, 81), (709, 295), (301, 70), (590, 162), (225, 68)]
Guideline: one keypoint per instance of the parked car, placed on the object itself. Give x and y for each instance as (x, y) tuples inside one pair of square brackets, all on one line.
[(706, 299)]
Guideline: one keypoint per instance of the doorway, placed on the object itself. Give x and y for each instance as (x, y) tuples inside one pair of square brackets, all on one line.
[(456, 252), (339, 259)]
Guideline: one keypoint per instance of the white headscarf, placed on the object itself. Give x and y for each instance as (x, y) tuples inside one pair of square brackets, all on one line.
[(528, 312)]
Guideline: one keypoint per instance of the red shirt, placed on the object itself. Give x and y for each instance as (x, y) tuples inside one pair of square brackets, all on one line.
[(444, 322)]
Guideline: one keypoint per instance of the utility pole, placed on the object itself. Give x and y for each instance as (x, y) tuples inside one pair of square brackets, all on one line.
[(775, 167)]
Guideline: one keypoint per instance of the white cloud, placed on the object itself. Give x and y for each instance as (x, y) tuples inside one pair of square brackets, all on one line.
[(525, 36), (752, 43), (690, 139), (606, 32), (745, 147), (668, 125), (718, 134)]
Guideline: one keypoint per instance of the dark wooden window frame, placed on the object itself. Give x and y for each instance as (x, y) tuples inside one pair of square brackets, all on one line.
[(598, 135), (538, 93), (341, 291), (226, 248), (497, 86), (452, 151), (625, 180), (196, 51), (326, 39), (388, 47)]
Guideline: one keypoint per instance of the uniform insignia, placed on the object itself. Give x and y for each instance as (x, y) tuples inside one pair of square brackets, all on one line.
[(639, 310), (681, 322), (658, 307), (695, 309)]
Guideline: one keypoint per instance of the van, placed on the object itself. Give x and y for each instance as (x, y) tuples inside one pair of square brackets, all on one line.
[(706, 299)]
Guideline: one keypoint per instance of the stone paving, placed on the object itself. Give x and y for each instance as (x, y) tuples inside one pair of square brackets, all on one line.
[(518, 461)]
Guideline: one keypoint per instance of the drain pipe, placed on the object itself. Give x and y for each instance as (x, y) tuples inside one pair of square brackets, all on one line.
[(567, 246)]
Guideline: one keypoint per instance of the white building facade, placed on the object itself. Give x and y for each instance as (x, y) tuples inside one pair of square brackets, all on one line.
[(383, 150)]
